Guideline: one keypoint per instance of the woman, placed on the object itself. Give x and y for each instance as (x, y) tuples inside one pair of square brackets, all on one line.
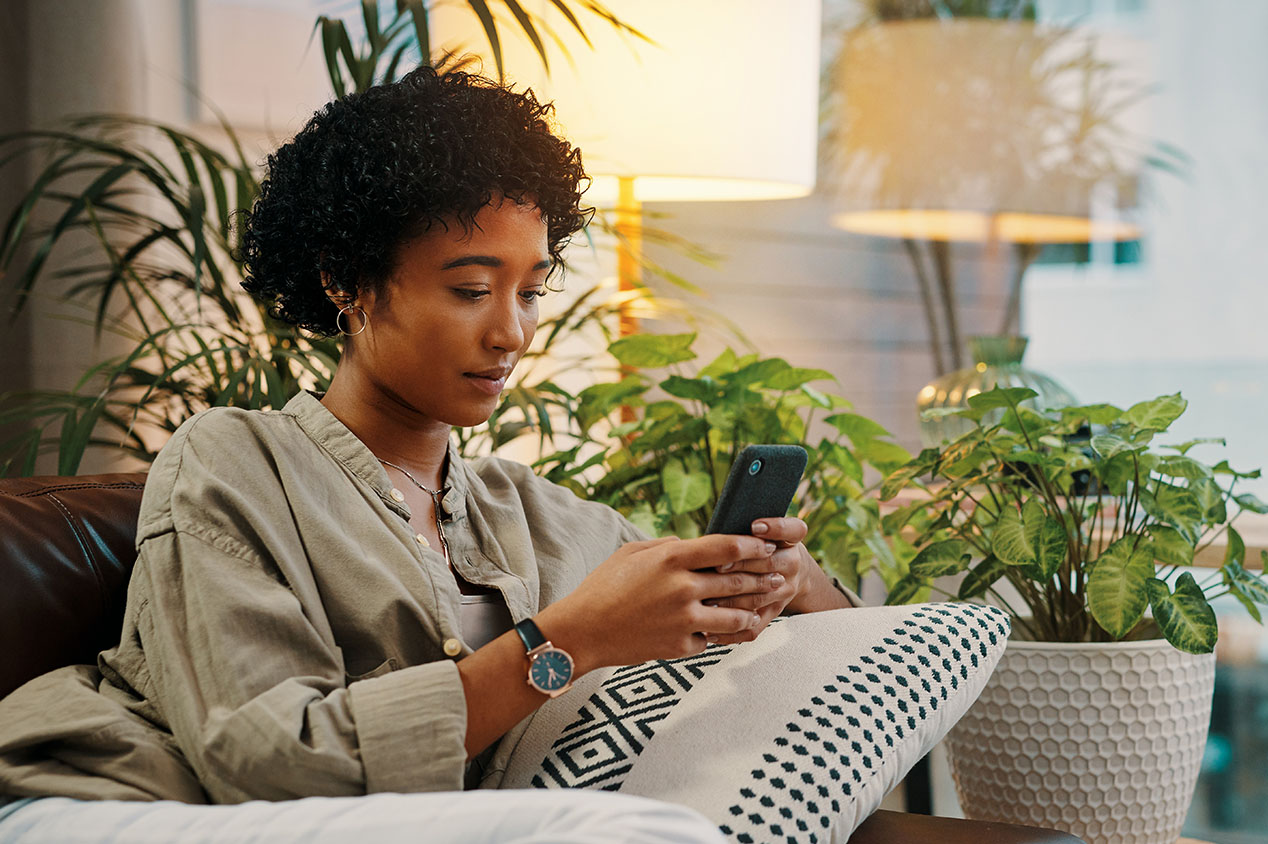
[(324, 596)]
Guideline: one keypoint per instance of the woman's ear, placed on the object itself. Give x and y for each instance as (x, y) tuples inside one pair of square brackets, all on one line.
[(339, 298)]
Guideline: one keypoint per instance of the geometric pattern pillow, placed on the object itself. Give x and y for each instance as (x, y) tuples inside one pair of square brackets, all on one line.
[(795, 737)]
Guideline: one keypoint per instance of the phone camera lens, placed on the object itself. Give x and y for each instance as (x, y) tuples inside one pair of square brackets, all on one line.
[(755, 467)]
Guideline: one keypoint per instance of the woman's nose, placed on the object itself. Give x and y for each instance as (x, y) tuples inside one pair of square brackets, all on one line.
[(505, 330)]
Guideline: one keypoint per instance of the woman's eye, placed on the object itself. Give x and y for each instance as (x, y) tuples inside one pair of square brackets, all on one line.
[(530, 295), (470, 293)]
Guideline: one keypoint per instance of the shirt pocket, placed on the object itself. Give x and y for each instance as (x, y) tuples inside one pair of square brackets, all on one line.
[(388, 665)]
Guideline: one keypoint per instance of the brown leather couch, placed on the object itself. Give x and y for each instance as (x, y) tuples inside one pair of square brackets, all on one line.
[(66, 551)]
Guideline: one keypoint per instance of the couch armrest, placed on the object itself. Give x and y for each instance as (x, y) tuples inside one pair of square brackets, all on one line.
[(885, 827), (66, 551)]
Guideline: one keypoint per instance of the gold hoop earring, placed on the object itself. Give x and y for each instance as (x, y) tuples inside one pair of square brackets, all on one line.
[(345, 311)]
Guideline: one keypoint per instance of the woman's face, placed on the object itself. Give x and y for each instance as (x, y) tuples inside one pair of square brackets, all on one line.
[(456, 315)]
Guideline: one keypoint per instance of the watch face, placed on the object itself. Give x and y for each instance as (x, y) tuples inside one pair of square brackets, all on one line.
[(551, 670)]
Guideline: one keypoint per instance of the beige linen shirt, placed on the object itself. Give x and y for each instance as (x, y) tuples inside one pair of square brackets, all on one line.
[(285, 633)]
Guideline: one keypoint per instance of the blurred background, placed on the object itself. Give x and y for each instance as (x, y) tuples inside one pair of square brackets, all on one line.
[(860, 186)]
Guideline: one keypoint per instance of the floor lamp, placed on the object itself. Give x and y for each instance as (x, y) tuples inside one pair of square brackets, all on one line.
[(973, 130), (718, 103)]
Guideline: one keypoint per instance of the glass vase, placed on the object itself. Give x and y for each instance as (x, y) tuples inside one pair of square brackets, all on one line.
[(997, 362)]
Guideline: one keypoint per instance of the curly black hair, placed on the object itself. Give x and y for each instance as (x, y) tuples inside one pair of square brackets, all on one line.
[(374, 169)]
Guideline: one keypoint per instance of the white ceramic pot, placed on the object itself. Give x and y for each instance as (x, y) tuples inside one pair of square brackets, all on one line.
[(1101, 740)]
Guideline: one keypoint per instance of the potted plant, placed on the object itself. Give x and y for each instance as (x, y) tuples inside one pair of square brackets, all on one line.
[(148, 211), (1076, 523), (656, 445)]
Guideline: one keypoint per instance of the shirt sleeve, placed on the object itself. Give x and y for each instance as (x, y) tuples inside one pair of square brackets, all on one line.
[(246, 672), (257, 698)]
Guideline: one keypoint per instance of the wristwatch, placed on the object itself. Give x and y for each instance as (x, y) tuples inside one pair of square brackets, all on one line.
[(549, 668)]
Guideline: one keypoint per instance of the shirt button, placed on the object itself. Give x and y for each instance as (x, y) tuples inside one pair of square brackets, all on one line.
[(422, 540), (452, 647), (397, 495)]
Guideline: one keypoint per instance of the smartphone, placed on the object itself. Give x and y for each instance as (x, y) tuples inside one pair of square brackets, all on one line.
[(761, 485)]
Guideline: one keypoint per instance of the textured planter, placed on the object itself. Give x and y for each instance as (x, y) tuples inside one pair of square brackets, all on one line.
[(1102, 740)]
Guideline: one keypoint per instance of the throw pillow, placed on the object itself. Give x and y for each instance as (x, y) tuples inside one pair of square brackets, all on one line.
[(795, 737)]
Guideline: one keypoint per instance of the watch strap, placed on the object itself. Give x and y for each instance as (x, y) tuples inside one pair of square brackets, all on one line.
[(530, 634)]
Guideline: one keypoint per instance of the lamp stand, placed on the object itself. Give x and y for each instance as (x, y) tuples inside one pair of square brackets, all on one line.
[(629, 251)]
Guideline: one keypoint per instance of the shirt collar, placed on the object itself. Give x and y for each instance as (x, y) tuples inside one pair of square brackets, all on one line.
[(326, 430)]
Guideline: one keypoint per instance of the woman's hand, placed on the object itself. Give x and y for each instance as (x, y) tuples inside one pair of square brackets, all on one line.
[(791, 565), (665, 598)]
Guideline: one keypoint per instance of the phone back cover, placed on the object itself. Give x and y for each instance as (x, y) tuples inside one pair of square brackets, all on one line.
[(763, 495)]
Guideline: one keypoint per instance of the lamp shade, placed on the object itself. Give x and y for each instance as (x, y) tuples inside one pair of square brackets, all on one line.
[(977, 129), (720, 103)]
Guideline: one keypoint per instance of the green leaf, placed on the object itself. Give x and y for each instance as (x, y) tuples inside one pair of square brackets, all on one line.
[(1210, 498), (526, 23), (687, 490), (652, 350), (1156, 414), (907, 590), (644, 519), (722, 364), (1116, 591), (702, 389), (1175, 505), (422, 29), (757, 373), (1094, 414), (1169, 547), (837, 455), (330, 30), (1180, 466), (884, 455), (951, 556), (1185, 618), (841, 560), (1110, 445), (1245, 583), (1050, 548), (1184, 447), (1235, 551), (1222, 468), (1030, 538), (922, 464), (1251, 502), (824, 400), (1251, 609), (999, 397), (981, 577), (1009, 542), (1027, 422), (794, 377), (481, 9), (598, 400), (858, 428)]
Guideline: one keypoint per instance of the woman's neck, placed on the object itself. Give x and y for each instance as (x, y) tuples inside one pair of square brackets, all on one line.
[(391, 430)]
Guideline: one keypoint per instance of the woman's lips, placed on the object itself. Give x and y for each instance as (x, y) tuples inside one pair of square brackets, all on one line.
[(491, 386)]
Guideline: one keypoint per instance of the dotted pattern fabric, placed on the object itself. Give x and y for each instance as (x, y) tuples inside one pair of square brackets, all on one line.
[(843, 737), (795, 737)]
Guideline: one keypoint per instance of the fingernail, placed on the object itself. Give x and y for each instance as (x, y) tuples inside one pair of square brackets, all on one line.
[(759, 528), (770, 548), (776, 580), (757, 619), (726, 567), (712, 640)]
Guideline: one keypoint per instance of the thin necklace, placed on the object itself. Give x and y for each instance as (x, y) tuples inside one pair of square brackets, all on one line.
[(435, 500)]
